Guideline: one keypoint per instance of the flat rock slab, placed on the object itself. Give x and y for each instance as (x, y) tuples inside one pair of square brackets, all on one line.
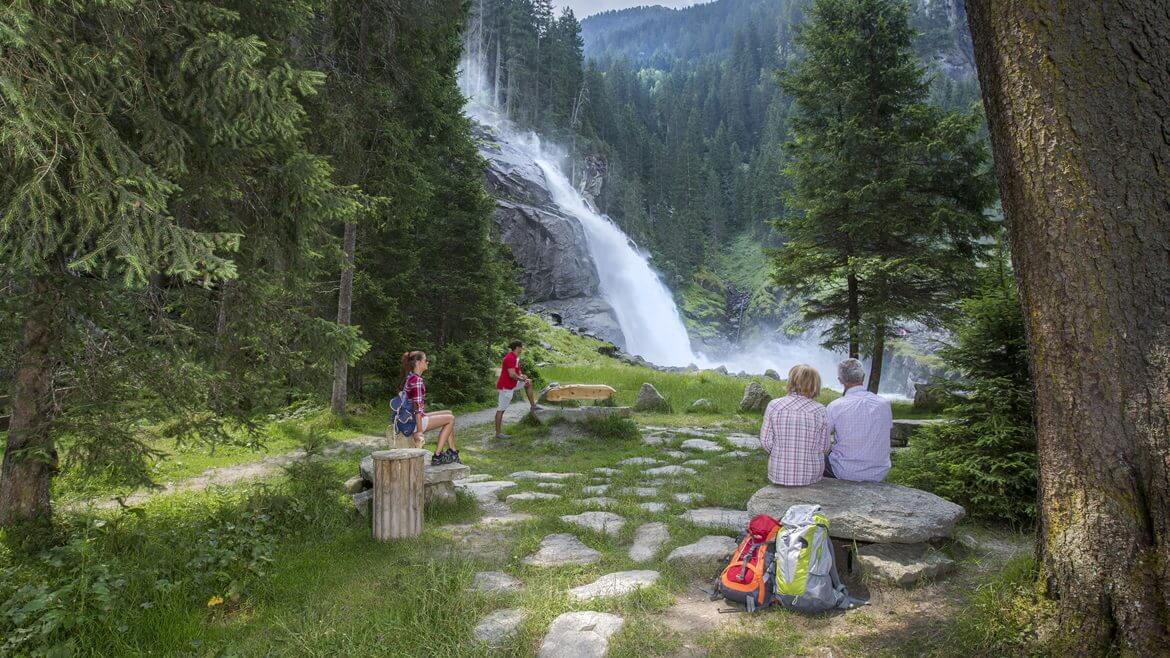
[(649, 538), (561, 549), (692, 431), (673, 469), (581, 414), (718, 517), (740, 454), (555, 486), (495, 582), (479, 477), (745, 441), (580, 635), (598, 501), (485, 491), (707, 554), (639, 461), (903, 564), (653, 508), (702, 445), (695, 462), (535, 475), (606, 523), (496, 628), (877, 512), (655, 439), (688, 498), (614, 584), (531, 495), (676, 454), (595, 490), (607, 471), (644, 492)]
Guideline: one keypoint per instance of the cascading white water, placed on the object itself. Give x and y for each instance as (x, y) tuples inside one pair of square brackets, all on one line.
[(645, 310)]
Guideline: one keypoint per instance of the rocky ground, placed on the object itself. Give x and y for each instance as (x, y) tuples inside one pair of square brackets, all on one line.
[(629, 548)]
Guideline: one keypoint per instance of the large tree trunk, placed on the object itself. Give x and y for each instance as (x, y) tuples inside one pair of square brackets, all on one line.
[(29, 457), (876, 358), (854, 317), (1077, 98), (344, 307)]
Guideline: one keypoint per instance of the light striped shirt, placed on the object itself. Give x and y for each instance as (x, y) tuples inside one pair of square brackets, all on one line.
[(795, 435), (860, 423)]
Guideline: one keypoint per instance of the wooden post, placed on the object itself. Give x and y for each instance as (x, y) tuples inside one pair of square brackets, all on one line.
[(398, 493)]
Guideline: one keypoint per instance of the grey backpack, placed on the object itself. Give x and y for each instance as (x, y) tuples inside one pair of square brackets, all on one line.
[(806, 577)]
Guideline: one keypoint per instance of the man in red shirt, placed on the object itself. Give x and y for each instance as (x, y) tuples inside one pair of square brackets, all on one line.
[(510, 381)]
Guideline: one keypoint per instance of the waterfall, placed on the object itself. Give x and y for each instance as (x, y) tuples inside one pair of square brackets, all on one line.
[(643, 306)]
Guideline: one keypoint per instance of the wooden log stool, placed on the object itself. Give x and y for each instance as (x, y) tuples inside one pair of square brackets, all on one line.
[(398, 493)]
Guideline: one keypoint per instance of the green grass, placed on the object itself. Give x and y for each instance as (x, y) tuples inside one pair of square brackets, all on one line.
[(310, 581), (179, 461)]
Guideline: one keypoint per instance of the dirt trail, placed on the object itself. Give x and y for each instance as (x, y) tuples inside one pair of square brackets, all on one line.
[(264, 467)]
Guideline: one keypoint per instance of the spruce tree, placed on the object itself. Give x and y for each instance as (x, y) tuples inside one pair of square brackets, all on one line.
[(156, 207), (887, 208)]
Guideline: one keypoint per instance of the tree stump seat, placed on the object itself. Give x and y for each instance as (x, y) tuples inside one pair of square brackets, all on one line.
[(438, 481)]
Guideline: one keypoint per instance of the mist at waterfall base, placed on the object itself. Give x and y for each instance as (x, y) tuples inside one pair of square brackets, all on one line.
[(643, 306)]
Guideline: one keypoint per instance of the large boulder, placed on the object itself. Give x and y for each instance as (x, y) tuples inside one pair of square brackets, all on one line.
[(649, 399), (866, 511), (707, 554), (580, 414), (755, 398)]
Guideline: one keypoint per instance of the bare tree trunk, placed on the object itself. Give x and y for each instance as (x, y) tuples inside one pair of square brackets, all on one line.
[(30, 458), (854, 318), (1077, 97), (344, 306), (879, 355)]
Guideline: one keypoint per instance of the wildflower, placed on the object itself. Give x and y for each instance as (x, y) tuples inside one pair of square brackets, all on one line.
[(214, 601)]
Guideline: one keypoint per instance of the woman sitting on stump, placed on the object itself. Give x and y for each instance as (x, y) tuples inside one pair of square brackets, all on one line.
[(414, 364), (796, 431)]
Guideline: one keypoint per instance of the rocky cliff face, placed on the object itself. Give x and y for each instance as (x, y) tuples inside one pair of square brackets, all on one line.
[(558, 275)]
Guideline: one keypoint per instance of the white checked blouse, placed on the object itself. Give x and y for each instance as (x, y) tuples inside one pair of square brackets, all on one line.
[(796, 437)]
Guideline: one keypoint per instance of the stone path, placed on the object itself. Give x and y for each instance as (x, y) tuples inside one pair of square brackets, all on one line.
[(589, 633)]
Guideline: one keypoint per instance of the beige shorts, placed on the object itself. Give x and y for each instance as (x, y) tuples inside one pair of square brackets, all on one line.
[(506, 396)]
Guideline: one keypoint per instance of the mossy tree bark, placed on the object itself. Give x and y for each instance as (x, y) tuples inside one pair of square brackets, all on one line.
[(1077, 98), (30, 457), (344, 309)]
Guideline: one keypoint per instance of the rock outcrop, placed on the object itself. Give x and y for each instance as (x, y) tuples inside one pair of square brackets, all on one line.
[(867, 511), (557, 273), (755, 398), (649, 399)]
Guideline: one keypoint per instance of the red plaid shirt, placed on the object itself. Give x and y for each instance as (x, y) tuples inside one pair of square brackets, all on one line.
[(416, 390), (796, 437)]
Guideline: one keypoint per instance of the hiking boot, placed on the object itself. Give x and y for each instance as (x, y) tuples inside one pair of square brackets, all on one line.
[(439, 458), (454, 457), (537, 407), (503, 436)]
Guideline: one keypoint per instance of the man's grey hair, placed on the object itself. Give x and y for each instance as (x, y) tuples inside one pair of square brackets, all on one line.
[(850, 371)]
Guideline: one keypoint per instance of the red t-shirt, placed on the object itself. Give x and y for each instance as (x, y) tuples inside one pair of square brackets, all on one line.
[(506, 383)]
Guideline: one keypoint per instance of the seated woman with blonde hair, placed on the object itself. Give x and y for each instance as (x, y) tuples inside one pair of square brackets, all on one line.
[(796, 431)]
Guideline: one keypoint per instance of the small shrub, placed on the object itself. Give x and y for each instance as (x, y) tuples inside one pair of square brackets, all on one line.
[(986, 458), (612, 428)]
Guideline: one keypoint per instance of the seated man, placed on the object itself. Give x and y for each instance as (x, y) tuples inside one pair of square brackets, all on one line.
[(860, 424)]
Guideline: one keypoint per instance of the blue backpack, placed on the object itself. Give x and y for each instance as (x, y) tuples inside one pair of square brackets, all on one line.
[(402, 414)]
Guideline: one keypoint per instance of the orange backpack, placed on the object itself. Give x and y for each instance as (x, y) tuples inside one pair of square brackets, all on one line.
[(748, 577)]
